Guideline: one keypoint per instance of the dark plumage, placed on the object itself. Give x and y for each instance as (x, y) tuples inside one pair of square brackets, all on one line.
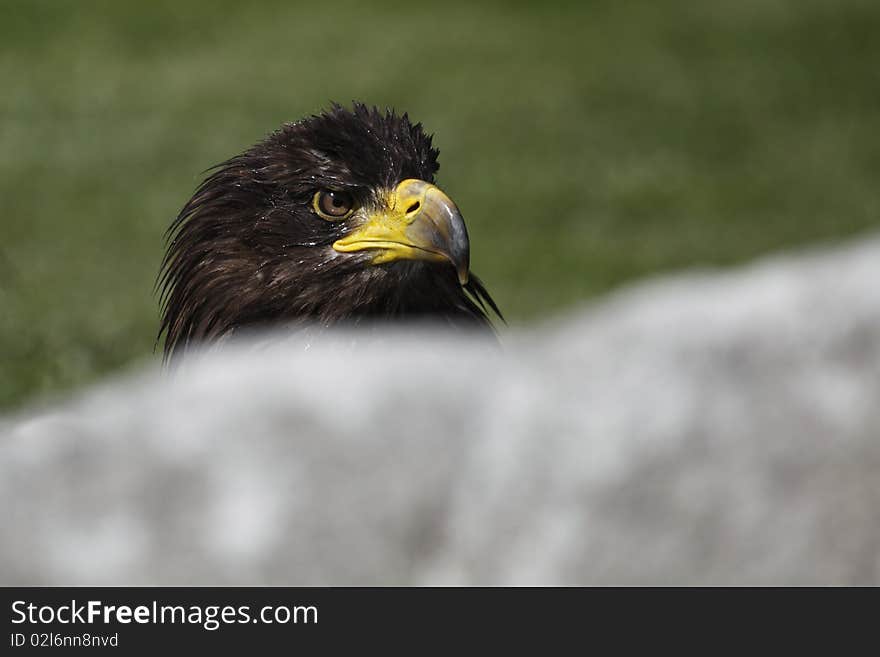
[(325, 221)]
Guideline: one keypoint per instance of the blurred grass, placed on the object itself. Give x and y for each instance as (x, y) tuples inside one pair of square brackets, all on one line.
[(587, 143)]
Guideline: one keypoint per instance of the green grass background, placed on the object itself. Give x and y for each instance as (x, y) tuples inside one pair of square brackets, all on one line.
[(587, 143)]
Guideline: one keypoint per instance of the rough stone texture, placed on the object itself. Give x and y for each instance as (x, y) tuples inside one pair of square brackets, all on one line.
[(717, 428)]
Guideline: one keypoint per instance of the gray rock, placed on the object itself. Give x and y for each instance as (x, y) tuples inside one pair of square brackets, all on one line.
[(715, 428)]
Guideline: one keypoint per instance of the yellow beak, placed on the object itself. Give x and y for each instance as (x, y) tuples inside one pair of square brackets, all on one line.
[(419, 222)]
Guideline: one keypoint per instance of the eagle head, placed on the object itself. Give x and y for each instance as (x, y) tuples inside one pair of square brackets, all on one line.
[(332, 219)]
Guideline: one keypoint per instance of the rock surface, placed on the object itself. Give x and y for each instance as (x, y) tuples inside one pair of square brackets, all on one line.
[(710, 428)]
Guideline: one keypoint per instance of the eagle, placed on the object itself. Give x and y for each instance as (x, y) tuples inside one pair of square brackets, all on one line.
[(331, 220)]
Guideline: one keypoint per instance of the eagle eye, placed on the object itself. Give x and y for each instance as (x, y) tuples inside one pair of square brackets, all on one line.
[(333, 206)]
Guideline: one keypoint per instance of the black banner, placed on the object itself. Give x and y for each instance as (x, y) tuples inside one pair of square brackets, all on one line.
[(126, 619)]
